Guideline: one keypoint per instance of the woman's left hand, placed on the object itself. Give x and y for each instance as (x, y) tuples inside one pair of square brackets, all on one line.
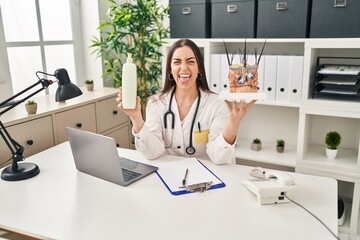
[(236, 113)]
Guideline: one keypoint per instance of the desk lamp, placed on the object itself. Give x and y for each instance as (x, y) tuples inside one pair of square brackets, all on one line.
[(66, 90)]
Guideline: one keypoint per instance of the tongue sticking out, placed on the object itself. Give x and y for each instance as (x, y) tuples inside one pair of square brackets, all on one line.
[(184, 78)]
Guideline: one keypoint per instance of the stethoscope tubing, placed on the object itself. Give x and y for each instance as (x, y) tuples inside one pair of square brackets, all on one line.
[(190, 149)]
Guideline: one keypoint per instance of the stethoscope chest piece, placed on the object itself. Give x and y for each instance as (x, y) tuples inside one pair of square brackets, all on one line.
[(190, 150)]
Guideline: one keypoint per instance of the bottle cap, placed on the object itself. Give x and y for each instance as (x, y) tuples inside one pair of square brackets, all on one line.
[(129, 58)]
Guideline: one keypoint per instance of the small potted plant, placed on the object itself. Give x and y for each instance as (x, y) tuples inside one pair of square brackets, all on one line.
[(280, 145), (89, 84), (256, 144), (332, 141), (31, 106)]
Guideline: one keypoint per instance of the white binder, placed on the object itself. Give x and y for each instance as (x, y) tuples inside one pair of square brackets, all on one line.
[(283, 78), (270, 68), (296, 77), (224, 69), (261, 75), (215, 73)]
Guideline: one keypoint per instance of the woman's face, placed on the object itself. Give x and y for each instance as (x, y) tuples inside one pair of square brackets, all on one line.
[(184, 68)]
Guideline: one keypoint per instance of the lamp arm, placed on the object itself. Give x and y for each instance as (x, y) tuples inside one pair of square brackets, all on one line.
[(16, 148), (45, 84)]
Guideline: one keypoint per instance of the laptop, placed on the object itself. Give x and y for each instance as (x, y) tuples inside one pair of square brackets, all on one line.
[(97, 156)]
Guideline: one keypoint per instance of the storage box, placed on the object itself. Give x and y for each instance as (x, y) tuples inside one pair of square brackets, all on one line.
[(233, 18), (283, 19), (190, 18), (335, 19)]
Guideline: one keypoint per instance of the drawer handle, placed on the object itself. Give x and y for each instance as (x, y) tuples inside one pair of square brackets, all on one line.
[(281, 6), (186, 11), (115, 112), (30, 142), (339, 3), (231, 8), (79, 125)]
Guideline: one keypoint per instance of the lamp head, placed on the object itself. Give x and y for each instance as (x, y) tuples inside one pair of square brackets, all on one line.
[(66, 89)]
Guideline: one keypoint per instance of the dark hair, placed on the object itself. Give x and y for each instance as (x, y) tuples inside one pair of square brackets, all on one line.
[(201, 82)]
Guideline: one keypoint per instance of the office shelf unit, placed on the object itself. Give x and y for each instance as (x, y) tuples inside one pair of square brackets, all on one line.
[(303, 124)]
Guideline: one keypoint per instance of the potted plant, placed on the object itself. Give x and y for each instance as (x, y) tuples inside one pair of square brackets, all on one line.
[(31, 106), (332, 141), (280, 145), (89, 84), (134, 27), (256, 144)]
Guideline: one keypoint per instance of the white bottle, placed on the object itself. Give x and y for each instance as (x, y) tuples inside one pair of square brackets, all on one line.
[(129, 84)]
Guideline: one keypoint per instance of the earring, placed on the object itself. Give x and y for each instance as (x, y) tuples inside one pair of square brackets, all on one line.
[(171, 77)]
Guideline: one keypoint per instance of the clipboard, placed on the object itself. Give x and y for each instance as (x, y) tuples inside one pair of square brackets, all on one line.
[(199, 177)]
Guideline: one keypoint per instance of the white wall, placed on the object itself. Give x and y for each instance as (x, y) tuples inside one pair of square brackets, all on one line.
[(89, 11)]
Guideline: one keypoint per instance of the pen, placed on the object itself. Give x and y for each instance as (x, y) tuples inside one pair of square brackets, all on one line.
[(184, 180), (199, 127)]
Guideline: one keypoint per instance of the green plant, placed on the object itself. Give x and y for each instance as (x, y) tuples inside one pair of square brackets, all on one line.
[(257, 140), (135, 28), (89, 81), (280, 143), (332, 140), (30, 102)]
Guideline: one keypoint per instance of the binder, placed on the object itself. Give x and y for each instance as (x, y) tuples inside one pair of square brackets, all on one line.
[(296, 77), (215, 73), (172, 174), (283, 79), (270, 72), (224, 80)]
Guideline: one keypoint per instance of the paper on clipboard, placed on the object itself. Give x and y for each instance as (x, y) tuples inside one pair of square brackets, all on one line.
[(172, 174)]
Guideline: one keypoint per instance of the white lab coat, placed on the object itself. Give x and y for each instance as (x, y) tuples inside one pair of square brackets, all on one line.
[(154, 140)]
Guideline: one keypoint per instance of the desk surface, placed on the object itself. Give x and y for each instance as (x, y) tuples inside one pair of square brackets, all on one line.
[(62, 203)]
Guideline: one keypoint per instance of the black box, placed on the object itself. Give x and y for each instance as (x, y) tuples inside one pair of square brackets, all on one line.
[(233, 18), (190, 18), (335, 19), (283, 19)]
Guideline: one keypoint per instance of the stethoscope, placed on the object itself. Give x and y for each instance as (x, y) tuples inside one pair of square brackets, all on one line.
[(190, 149)]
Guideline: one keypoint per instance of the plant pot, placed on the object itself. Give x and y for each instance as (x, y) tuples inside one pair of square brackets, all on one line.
[(280, 149), (90, 87), (331, 153), (31, 109), (256, 146)]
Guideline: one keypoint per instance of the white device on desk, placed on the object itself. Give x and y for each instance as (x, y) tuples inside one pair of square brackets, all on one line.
[(272, 187)]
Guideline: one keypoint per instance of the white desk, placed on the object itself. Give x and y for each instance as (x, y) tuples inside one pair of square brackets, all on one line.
[(62, 203)]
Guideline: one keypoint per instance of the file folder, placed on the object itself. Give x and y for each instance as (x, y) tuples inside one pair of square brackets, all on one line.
[(283, 79), (296, 77), (172, 174), (215, 73), (270, 75)]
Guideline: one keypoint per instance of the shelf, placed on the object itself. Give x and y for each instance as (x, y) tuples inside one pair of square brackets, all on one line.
[(267, 154), (345, 163)]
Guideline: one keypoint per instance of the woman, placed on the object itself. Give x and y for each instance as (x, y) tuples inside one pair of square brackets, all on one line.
[(186, 118)]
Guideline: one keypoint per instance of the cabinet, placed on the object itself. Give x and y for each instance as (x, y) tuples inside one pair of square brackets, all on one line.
[(302, 123), (94, 111), (35, 136)]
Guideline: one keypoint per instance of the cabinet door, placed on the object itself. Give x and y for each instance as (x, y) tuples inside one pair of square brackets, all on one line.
[(35, 136), (121, 136), (81, 118), (108, 114)]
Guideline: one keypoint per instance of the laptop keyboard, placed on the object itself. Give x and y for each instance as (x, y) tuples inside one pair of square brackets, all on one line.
[(129, 175)]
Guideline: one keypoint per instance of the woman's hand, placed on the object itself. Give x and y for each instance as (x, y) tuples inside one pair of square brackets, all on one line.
[(134, 114), (236, 113)]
